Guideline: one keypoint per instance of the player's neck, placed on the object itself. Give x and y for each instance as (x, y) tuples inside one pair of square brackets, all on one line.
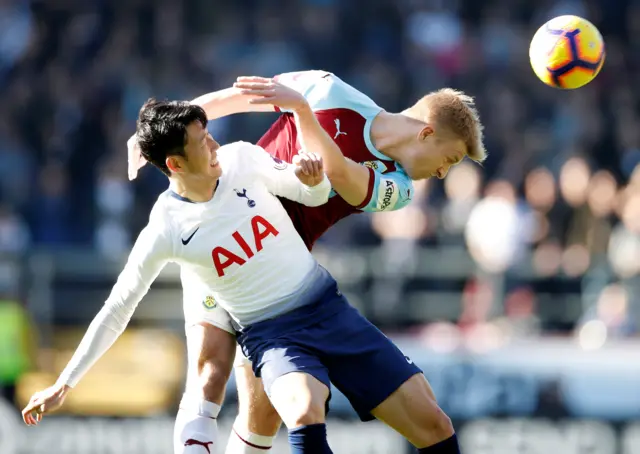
[(196, 189), (391, 132)]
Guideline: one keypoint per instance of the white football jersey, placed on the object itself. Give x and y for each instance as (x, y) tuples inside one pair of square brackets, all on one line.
[(240, 248)]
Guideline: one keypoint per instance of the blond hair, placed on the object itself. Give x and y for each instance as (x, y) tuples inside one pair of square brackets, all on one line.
[(456, 113)]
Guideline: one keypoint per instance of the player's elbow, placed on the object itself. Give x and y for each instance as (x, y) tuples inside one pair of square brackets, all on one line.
[(113, 316), (317, 200), (319, 194), (338, 175)]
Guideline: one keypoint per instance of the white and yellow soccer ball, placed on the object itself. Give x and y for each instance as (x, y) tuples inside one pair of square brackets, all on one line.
[(567, 52)]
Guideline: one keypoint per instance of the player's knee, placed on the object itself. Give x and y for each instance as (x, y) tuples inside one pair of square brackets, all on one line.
[(257, 415), (214, 370), (429, 426), (299, 399), (438, 424), (262, 410), (304, 413), (261, 419), (255, 411), (211, 352), (301, 410), (214, 374), (433, 423)]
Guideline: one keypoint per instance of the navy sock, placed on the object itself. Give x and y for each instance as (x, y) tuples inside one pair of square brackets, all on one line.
[(311, 439), (448, 446)]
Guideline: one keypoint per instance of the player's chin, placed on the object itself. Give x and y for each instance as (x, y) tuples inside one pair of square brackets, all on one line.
[(417, 175), (215, 170)]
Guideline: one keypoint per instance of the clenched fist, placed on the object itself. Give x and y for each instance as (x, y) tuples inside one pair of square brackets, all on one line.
[(309, 168)]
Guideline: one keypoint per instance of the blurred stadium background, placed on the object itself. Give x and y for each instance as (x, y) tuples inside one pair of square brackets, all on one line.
[(515, 285)]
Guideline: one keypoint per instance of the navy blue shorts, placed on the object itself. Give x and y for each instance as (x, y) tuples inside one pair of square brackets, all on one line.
[(331, 341)]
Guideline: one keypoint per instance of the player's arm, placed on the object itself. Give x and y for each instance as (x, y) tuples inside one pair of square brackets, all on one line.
[(229, 101), (349, 179), (147, 258), (387, 192), (216, 104), (232, 100), (304, 181)]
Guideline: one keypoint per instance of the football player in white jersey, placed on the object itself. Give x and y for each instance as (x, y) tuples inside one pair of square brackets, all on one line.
[(221, 222)]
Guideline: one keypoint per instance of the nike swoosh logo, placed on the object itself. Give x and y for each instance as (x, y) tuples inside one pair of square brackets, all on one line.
[(185, 242)]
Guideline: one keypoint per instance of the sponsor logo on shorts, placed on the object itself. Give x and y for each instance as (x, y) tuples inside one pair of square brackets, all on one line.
[(209, 303), (279, 163)]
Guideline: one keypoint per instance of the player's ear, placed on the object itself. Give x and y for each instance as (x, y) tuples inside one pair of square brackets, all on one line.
[(425, 132), (174, 164)]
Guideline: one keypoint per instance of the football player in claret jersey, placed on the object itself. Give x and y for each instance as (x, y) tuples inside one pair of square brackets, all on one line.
[(381, 153)]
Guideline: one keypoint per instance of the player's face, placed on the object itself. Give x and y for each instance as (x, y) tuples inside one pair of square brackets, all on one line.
[(434, 156), (202, 159)]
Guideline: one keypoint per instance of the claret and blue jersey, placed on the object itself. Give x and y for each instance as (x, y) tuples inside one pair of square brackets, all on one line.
[(347, 115)]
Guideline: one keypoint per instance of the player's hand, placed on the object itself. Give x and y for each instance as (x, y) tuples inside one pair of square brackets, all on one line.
[(262, 90), (44, 402), (136, 161), (309, 168)]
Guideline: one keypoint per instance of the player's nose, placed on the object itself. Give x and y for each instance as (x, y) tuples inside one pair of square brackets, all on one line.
[(213, 146)]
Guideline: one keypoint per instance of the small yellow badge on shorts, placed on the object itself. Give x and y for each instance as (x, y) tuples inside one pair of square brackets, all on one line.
[(209, 302)]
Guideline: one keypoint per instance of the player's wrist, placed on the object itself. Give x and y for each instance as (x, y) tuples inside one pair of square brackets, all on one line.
[(303, 108), (60, 391), (62, 386)]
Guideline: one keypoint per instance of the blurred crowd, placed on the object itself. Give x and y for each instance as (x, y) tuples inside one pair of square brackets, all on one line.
[(562, 180)]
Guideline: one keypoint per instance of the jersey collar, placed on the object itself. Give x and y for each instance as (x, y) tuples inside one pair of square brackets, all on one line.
[(177, 196)]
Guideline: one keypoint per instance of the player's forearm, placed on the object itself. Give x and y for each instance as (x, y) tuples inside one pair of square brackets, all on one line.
[(314, 139), (229, 101), (349, 179), (100, 336)]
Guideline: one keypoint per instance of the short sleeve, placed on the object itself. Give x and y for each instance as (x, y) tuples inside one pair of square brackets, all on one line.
[(324, 90), (387, 192)]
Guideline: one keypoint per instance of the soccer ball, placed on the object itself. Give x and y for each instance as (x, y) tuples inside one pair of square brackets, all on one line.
[(567, 52)]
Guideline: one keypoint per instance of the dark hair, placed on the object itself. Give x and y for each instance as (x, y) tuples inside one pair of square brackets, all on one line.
[(161, 129)]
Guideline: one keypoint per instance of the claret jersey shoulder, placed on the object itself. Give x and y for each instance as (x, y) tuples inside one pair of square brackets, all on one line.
[(324, 90), (344, 112)]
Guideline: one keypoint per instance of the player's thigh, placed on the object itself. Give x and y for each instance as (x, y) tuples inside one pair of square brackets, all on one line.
[(295, 380), (412, 411), (299, 398), (210, 352), (255, 411)]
